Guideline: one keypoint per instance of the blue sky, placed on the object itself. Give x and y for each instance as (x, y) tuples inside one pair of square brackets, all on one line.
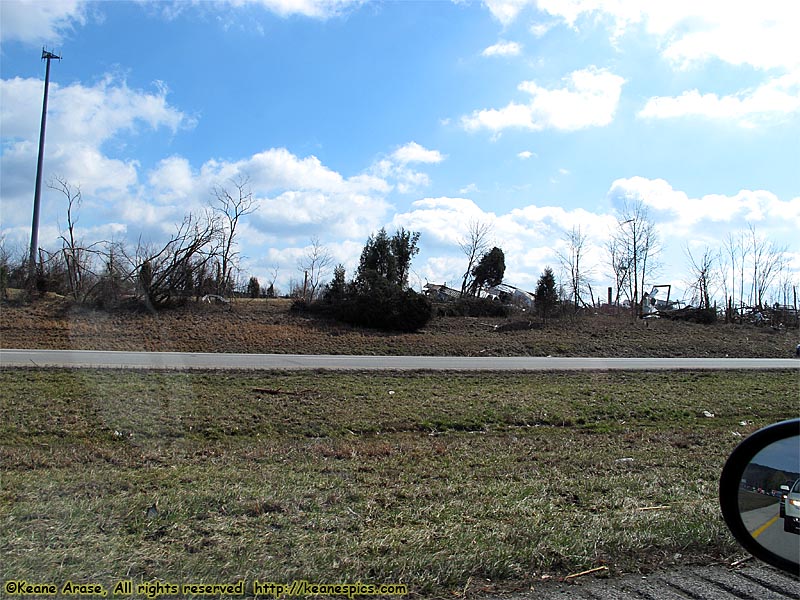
[(530, 116)]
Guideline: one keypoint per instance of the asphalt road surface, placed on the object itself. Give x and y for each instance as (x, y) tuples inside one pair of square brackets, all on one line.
[(766, 526), (717, 582), (197, 360)]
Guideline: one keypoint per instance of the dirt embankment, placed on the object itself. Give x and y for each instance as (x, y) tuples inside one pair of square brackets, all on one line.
[(260, 326)]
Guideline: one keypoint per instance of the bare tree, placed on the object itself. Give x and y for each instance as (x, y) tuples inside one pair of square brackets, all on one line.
[(229, 207), (728, 256), (270, 290), (572, 263), (619, 262), (704, 275), (78, 258), (315, 266), (167, 275), (768, 262), (474, 245), (634, 248)]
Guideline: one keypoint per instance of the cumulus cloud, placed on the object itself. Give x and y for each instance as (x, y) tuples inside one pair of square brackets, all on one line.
[(774, 99), (39, 22), (589, 98), (506, 11), (758, 34), (81, 121), (526, 154), (396, 167), (413, 152), (317, 9), (503, 48), (529, 236), (297, 195), (684, 215)]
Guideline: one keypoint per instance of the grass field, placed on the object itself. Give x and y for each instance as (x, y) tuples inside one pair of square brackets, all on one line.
[(450, 483)]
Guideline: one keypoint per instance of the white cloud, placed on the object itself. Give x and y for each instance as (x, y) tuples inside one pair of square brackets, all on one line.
[(685, 215), (774, 99), (506, 11), (503, 48), (39, 22), (395, 167), (298, 196), (528, 236), (526, 154), (540, 29), (81, 120), (413, 152), (318, 9), (589, 99), (760, 34)]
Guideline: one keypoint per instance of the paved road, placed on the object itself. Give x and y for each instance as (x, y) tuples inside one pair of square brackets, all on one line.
[(197, 360), (753, 580), (766, 526)]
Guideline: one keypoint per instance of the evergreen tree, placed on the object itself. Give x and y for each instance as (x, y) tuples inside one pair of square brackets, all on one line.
[(489, 271), (387, 257), (337, 288), (546, 295), (253, 288)]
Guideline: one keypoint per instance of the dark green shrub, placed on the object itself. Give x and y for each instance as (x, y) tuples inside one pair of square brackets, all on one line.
[(383, 305)]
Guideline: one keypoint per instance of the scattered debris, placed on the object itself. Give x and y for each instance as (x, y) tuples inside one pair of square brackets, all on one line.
[(589, 572), (518, 326), (152, 511), (644, 508), (707, 414), (741, 561), (272, 392), (624, 460)]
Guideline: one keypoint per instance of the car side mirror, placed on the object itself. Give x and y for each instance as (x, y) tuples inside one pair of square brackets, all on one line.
[(759, 493)]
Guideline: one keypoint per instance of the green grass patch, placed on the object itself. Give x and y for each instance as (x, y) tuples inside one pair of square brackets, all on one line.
[(438, 481)]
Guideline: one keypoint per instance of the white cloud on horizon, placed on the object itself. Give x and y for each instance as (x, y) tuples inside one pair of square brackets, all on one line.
[(692, 216), (774, 99)]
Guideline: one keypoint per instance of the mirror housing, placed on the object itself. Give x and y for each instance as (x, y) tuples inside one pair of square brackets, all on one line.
[(731, 485)]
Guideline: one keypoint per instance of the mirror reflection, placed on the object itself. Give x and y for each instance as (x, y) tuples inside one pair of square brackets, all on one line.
[(769, 498)]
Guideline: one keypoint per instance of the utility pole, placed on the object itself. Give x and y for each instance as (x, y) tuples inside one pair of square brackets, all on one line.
[(37, 194)]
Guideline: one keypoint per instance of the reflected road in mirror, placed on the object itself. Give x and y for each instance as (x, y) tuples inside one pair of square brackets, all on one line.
[(769, 498)]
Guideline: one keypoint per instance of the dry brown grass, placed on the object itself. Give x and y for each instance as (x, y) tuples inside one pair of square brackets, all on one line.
[(259, 326)]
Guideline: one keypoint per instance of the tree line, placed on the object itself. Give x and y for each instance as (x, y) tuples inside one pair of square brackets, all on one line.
[(201, 259)]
